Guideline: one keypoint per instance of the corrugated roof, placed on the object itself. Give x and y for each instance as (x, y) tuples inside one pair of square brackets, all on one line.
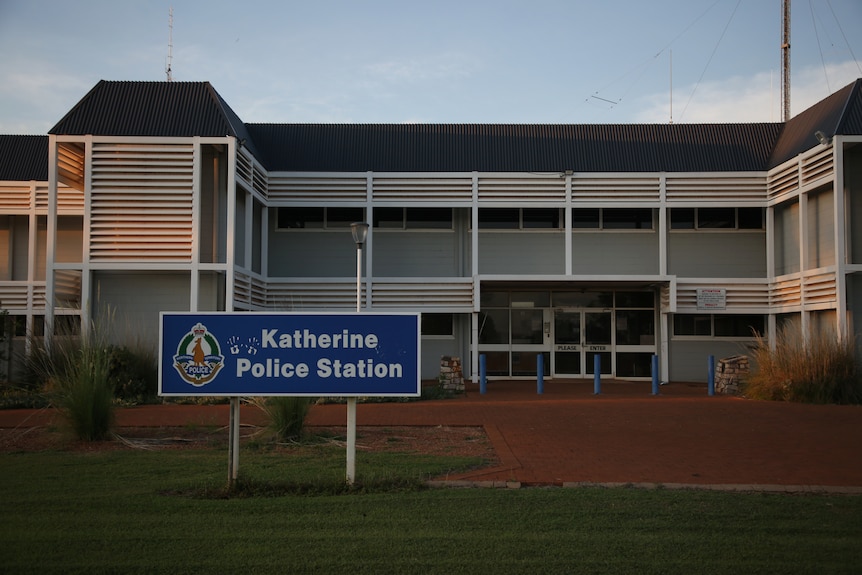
[(196, 109), (150, 109), (515, 148), (826, 116), (23, 158)]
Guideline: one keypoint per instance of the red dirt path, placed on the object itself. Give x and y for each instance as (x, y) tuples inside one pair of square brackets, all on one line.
[(624, 435)]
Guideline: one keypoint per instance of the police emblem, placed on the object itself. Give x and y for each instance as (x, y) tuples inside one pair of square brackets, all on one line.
[(198, 359)]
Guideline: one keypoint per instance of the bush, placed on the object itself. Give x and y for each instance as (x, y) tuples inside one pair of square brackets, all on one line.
[(134, 374), (286, 415), (819, 368)]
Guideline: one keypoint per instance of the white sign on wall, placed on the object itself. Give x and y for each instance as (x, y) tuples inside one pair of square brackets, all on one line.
[(711, 299)]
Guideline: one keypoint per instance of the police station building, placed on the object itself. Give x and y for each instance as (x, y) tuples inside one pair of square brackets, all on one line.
[(513, 241)]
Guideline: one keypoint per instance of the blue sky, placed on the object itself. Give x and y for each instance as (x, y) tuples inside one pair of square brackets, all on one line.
[(434, 61)]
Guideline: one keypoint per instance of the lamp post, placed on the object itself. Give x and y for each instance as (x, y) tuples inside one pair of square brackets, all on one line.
[(360, 232)]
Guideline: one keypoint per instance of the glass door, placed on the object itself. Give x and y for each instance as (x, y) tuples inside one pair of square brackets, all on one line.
[(567, 343), (579, 335)]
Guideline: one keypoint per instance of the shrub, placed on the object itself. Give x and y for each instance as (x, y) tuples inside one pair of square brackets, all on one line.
[(134, 374), (819, 368), (286, 415)]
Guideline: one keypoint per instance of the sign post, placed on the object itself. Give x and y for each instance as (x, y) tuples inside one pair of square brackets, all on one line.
[(244, 354)]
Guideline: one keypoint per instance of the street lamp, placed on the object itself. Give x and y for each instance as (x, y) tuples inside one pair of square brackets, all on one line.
[(360, 232)]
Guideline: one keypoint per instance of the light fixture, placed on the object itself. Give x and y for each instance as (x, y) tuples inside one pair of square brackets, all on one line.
[(360, 232), (822, 138)]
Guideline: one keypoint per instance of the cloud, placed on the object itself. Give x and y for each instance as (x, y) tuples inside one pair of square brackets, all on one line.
[(754, 98)]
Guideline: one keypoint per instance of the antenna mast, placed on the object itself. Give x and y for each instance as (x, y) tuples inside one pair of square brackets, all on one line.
[(785, 61), (170, 44)]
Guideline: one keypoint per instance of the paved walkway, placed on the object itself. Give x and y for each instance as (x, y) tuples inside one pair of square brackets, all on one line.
[(568, 435)]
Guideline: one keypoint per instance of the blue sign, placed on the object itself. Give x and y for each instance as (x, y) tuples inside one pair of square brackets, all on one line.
[(262, 354)]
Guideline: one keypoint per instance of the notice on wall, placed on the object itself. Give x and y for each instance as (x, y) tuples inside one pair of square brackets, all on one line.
[(320, 355), (711, 299)]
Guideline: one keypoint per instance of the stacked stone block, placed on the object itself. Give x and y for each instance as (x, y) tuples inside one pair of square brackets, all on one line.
[(451, 376), (729, 373)]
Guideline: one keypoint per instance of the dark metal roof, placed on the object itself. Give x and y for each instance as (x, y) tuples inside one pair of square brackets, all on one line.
[(829, 116), (149, 109), (195, 109), (515, 148), (23, 158)]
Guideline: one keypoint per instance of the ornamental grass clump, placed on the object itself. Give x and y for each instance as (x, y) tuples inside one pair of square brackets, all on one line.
[(285, 415), (84, 393), (817, 367)]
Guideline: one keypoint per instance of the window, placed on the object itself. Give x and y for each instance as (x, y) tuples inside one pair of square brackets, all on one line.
[(413, 218), (519, 218), (318, 217), (612, 218), (705, 325), (437, 324), (716, 218)]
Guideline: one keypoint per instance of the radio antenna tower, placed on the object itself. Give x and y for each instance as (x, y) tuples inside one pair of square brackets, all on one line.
[(170, 44), (785, 60)]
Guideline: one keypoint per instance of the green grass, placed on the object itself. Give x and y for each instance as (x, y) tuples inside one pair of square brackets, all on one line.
[(122, 512)]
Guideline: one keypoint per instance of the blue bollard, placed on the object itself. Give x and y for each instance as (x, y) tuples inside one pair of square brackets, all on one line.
[(597, 374), (540, 374), (655, 375), (710, 382), (483, 370)]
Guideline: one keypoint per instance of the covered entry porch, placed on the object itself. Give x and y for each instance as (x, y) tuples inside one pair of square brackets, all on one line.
[(568, 325)]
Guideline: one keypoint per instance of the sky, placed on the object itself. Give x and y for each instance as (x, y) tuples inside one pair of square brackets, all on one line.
[(434, 61)]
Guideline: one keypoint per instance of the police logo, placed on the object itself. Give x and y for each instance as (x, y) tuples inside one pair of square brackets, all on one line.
[(198, 359)]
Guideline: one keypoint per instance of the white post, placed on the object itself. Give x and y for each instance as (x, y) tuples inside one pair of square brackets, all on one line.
[(359, 231), (233, 445)]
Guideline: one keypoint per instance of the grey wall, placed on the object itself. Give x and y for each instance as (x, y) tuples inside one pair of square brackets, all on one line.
[(688, 359), (821, 229), (787, 238), (402, 253), (136, 300), (615, 253), (717, 254), (521, 252)]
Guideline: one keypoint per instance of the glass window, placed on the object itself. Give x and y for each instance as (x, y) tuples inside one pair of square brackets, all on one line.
[(494, 326), (691, 324), (343, 217), (627, 218), (750, 218), (634, 364), (440, 324), (635, 327), (526, 363), (682, 218), (499, 218), (585, 218), (541, 218), (429, 218), (738, 325), (584, 299), (290, 218), (496, 362), (716, 218), (635, 299), (531, 299), (527, 326), (389, 218), (494, 299)]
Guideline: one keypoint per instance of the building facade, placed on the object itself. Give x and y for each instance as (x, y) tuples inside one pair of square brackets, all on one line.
[(514, 241)]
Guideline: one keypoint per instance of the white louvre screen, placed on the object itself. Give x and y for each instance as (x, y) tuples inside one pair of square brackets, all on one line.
[(141, 207)]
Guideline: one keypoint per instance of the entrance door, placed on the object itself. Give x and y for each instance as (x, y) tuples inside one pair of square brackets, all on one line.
[(579, 335)]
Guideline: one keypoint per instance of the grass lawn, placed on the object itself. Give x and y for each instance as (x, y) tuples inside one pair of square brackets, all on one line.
[(144, 512)]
